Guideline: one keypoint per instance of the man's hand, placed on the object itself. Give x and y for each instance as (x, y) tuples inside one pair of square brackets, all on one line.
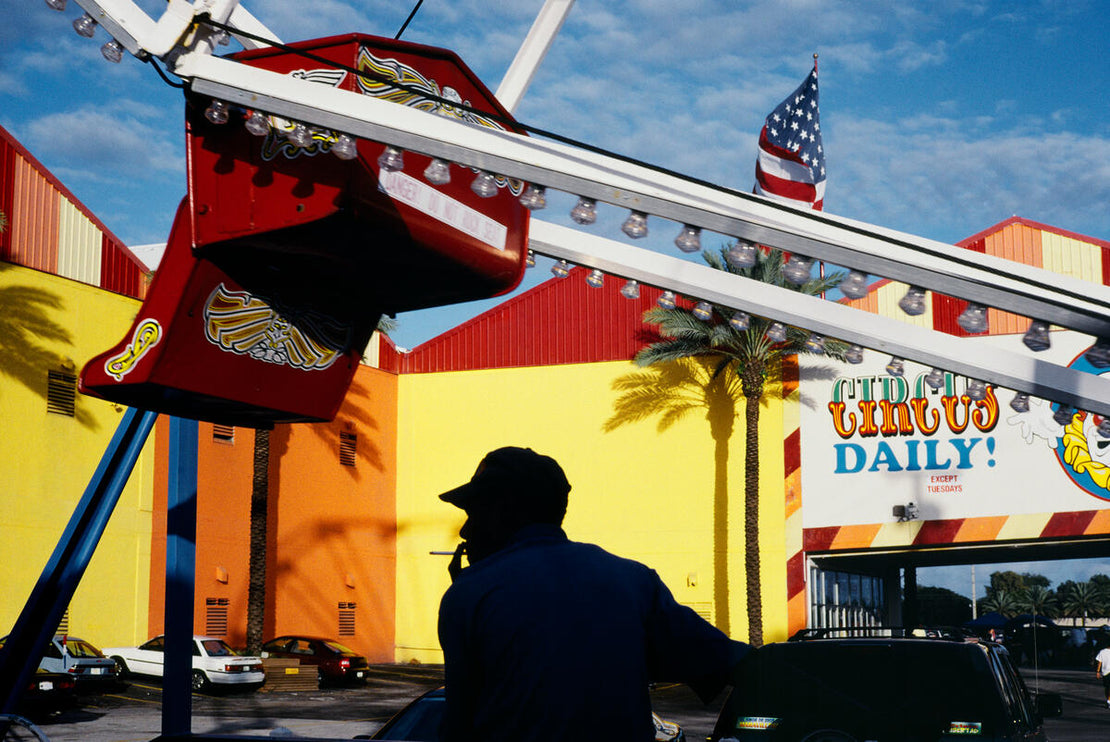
[(455, 565)]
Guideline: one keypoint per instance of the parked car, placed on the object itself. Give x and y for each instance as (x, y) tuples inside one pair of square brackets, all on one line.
[(334, 662), (882, 684), (419, 722), (48, 693), (91, 670), (214, 663)]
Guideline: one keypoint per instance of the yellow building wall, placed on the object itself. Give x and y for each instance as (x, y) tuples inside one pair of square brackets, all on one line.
[(637, 490), (46, 459)]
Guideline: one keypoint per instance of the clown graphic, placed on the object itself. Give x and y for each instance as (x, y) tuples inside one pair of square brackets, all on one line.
[(1083, 452)]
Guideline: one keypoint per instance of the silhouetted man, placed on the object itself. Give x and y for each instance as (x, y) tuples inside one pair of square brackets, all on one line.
[(548, 639)]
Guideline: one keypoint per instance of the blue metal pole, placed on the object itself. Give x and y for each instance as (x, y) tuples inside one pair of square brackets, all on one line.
[(181, 538), (54, 590)]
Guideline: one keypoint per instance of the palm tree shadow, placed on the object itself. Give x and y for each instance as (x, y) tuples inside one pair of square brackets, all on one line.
[(817, 373), (366, 449), (670, 391), (27, 330)]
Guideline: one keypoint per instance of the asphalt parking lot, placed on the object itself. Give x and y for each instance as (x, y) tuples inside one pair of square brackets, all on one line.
[(134, 715), (340, 713)]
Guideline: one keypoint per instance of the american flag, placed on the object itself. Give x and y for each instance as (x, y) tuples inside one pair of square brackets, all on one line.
[(791, 162)]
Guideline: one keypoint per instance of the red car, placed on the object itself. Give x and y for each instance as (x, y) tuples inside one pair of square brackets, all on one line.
[(335, 663)]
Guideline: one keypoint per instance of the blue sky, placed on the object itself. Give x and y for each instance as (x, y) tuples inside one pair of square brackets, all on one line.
[(940, 118)]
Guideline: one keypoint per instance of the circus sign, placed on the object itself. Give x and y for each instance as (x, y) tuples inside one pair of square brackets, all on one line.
[(871, 440)]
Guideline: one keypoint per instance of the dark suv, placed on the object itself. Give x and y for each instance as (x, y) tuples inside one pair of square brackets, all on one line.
[(882, 685)]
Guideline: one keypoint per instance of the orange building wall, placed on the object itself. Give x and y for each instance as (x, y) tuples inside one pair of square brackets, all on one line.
[(156, 609), (223, 529), (336, 524), (224, 472), (331, 527)]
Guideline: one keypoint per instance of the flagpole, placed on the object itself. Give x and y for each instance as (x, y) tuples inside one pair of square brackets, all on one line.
[(821, 267)]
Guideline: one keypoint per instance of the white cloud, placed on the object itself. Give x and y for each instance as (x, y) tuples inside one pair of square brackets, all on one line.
[(96, 142), (954, 180), (681, 83)]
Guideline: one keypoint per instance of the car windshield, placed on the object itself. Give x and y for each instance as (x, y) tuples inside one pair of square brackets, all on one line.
[(337, 647), (217, 648), (912, 690), (420, 720), (81, 648)]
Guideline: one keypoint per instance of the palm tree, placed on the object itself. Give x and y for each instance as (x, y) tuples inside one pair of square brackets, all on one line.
[(259, 533), (1001, 601), (1040, 601), (750, 356), (1081, 599)]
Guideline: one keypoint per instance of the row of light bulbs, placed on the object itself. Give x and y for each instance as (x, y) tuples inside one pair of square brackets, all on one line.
[(113, 50), (741, 254), (797, 270), (777, 332)]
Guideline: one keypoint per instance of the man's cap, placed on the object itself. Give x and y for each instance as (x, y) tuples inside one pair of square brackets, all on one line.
[(521, 471)]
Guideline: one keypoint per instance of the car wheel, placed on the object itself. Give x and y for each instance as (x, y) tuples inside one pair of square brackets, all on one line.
[(200, 681), (121, 666), (321, 679)]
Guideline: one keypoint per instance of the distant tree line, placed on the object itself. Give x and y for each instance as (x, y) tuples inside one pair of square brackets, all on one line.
[(1011, 594)]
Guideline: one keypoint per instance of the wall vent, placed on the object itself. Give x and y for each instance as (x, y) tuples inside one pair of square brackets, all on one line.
[(215, 616), (63, 625), (61, 393), (702, 608), (347, 617), (223, 433), (348, 448)]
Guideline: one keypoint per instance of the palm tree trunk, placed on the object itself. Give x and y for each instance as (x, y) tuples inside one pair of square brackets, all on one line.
[(751, 517), (256, 585)]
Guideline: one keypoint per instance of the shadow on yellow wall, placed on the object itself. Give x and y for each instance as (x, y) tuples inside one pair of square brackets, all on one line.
[(671, 391), (27, 330)]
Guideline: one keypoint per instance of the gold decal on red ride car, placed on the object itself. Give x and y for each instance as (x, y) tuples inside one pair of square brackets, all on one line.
[(146, 336), (241, 323)]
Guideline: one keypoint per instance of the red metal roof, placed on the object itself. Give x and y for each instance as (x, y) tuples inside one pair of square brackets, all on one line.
[(41, 227), (560, 321)]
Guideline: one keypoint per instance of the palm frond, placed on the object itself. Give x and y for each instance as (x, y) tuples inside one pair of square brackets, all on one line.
[(386, 324), (675, 349)]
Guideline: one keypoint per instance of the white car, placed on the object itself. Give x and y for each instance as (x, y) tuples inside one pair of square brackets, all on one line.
[(214, 663)]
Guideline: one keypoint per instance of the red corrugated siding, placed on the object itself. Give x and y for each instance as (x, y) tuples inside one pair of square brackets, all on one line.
[(29, 195), (946, 308), (1032, 225), (7, 189), (119, 270), (388, 357), (1017, 242), (34, 219), (560, 321)]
